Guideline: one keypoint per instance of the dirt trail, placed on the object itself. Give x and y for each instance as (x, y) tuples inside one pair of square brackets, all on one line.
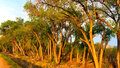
[(3, 63)]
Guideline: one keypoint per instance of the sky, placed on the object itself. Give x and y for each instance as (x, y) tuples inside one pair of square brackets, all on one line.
[(10, 9)]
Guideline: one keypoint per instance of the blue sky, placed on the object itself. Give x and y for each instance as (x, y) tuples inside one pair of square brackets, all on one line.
[(113, 41), (10, 9)]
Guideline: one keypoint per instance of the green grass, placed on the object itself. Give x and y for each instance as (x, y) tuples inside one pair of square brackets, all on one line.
[(10, 61)]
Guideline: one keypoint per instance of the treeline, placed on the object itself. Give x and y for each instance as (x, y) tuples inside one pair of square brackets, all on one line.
[(60, 30)]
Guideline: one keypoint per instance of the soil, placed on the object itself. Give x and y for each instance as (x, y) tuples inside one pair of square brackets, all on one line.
[(3, 63)]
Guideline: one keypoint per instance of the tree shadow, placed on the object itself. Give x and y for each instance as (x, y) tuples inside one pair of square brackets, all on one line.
[(23, 63)]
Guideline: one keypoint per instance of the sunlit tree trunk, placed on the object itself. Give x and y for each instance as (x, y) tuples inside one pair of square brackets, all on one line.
[(13, 49), (23, 53), (118, 47), (78, 59), (16, 50), (84, 53), (54, 48), (91, 36), (40, 50), (92, 44), (16, 44), (118, 2), (71, 53), (4, 49), (37, 54), (54, 51), (87, 54), (101, 56), (50, 49), (101, 49), (60, 49), (106, 43), (118, 38), (40, 46)]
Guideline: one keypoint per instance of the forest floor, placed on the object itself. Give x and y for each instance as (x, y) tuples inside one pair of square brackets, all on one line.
[(29, 62), (7, 62), (3, 63), (15, 61)]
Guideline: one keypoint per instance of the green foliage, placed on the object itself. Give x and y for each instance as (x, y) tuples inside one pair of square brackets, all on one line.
[(47, 19)]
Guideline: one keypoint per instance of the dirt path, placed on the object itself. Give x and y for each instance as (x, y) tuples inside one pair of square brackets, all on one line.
[(3, 63)]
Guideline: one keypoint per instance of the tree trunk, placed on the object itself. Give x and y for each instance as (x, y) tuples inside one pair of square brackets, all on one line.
[(60, 49), (13, 49), (50, 49), (71, 54), (84, 53), (54, 51), (16, 50), (118, 48), (16, 44), (78, 59), (87, 56), (92, 44), (106, 43), (54, 48), (4, 49), (40, 50), (40, 47), (37, 54), (23, 53), (118, 3), (101, 49)]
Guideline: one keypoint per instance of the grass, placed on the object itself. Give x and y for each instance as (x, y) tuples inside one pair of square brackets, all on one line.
[(10, 61)]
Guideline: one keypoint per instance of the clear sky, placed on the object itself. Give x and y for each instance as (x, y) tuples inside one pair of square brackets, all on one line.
[(113, 41), (10, 9)]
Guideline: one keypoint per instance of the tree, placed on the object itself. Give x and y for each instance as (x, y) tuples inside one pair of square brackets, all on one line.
[(115, 16)]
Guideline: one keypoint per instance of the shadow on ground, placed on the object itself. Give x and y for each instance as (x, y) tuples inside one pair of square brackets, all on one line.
[(23, 63)]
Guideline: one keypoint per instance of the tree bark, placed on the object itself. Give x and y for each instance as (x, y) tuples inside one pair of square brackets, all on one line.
[(118, 47), (92, 44), (23, 53), (87, 54), (78, 59), (84, 53), (37, 54), (101, 49), (60, 49), (54, 48), (54, 51), (71, 54), (40, 47), (50, 50), (16, 44), (118, 3), (106, 43)]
